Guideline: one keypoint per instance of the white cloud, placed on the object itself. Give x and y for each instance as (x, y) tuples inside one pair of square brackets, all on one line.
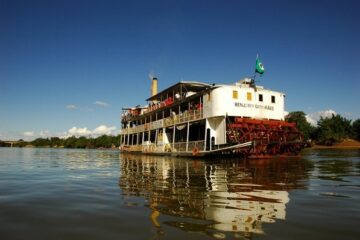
[(100, 130), (29, 134), (44, 134), (101, 104), (286, 113), (103, 129), (313, 118), (71, 106), (74, 131)]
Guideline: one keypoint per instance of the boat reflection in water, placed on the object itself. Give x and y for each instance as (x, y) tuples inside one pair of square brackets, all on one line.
[(225, 195)]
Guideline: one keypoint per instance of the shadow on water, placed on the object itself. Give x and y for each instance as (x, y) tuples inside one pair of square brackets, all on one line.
[(218, 197)]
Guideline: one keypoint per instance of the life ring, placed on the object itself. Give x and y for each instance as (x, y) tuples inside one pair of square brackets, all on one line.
[(195, 151)]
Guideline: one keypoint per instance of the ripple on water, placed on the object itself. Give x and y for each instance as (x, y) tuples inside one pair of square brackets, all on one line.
[(92, 194)]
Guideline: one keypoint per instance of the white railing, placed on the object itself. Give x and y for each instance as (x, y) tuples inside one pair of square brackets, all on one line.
[(183, 117), (135, 129), (199, 145), (169, 147), (175, 119), (188, 147), (179, 147), (157, 124)]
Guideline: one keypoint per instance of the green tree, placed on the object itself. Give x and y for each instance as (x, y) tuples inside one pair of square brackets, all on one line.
[(356, 129), (302, 124), (103, 141), (41, 142), (56, 142), (21, 143), (115, 140), (81, 142), (70, 142), (333, 130), (90, 143)]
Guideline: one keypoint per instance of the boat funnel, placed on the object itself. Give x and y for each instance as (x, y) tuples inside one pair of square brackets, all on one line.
[(154, 86)]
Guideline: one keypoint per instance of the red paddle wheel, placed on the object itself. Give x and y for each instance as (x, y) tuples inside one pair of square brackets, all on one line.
[(269, 137)]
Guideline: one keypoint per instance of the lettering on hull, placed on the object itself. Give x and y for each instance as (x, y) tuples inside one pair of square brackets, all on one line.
[(251, 105)]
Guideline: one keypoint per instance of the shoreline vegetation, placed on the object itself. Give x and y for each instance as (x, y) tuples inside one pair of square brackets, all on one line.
[(101, 142), (335, 132), (345, 144)]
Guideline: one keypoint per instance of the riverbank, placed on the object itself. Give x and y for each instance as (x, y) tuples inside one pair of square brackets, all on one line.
[(113, 147), (346, 144)]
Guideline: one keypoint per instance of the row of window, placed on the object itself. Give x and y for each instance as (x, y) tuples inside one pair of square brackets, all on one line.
[(249, 96)]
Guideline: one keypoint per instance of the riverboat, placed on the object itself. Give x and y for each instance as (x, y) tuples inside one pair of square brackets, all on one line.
[(199, 119)]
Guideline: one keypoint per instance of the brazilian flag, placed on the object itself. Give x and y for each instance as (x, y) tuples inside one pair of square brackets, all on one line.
[(259, 68)]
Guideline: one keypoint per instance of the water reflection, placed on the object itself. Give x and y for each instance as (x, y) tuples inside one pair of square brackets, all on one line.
[(214, 197)]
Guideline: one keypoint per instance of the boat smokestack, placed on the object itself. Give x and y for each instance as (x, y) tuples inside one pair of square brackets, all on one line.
[(154, 86)]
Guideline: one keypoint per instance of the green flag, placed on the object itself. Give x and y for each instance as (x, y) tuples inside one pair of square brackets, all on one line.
[(259, 66)]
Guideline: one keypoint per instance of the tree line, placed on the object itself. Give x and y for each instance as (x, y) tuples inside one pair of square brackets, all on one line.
[(329, 130), (104, 141)]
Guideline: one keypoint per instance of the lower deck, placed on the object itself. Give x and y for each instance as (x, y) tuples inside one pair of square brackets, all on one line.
[(216, 136)]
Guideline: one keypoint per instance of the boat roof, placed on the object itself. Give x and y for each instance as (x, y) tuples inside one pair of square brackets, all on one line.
[(180, 87)]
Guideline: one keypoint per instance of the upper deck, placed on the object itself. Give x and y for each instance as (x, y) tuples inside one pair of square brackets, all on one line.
[(174, 95), (242, 99)]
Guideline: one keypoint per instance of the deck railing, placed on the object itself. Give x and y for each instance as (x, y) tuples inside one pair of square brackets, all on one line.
[(169, 147), (199, 145), (175, 119), (183, 117), (190, 146)]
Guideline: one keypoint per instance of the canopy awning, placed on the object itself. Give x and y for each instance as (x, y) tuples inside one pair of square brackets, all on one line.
[(180, 88)]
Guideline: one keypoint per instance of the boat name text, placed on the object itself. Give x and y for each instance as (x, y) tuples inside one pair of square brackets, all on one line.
[(251, 105)]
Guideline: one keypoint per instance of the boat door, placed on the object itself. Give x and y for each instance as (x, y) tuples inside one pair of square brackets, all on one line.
[(208, 139)]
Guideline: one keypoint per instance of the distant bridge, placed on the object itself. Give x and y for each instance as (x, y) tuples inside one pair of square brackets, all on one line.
[(11, 143)]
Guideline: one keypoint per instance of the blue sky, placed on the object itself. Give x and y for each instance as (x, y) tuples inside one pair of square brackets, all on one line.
[(69, 66)]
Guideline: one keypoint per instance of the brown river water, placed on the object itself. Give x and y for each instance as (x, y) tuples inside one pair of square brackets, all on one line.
[(94, 194)]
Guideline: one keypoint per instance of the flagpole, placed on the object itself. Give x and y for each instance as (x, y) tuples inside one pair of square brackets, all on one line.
[(257, 56)]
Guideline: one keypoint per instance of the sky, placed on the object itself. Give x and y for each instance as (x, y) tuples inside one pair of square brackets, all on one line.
[(68, 67)]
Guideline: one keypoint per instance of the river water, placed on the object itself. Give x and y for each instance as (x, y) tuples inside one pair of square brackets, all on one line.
[(93, 194)]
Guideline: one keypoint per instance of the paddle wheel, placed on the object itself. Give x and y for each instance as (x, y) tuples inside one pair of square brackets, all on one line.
[(269, 137)]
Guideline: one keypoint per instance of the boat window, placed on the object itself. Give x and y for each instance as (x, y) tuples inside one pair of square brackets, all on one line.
[(260, 97), (249, 96), (169, 134), (146, 136), (180, 133), (135, 142), (130, 139), (272, 99), (141, 138), (235, 94), (197, 131), (152, 136)]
